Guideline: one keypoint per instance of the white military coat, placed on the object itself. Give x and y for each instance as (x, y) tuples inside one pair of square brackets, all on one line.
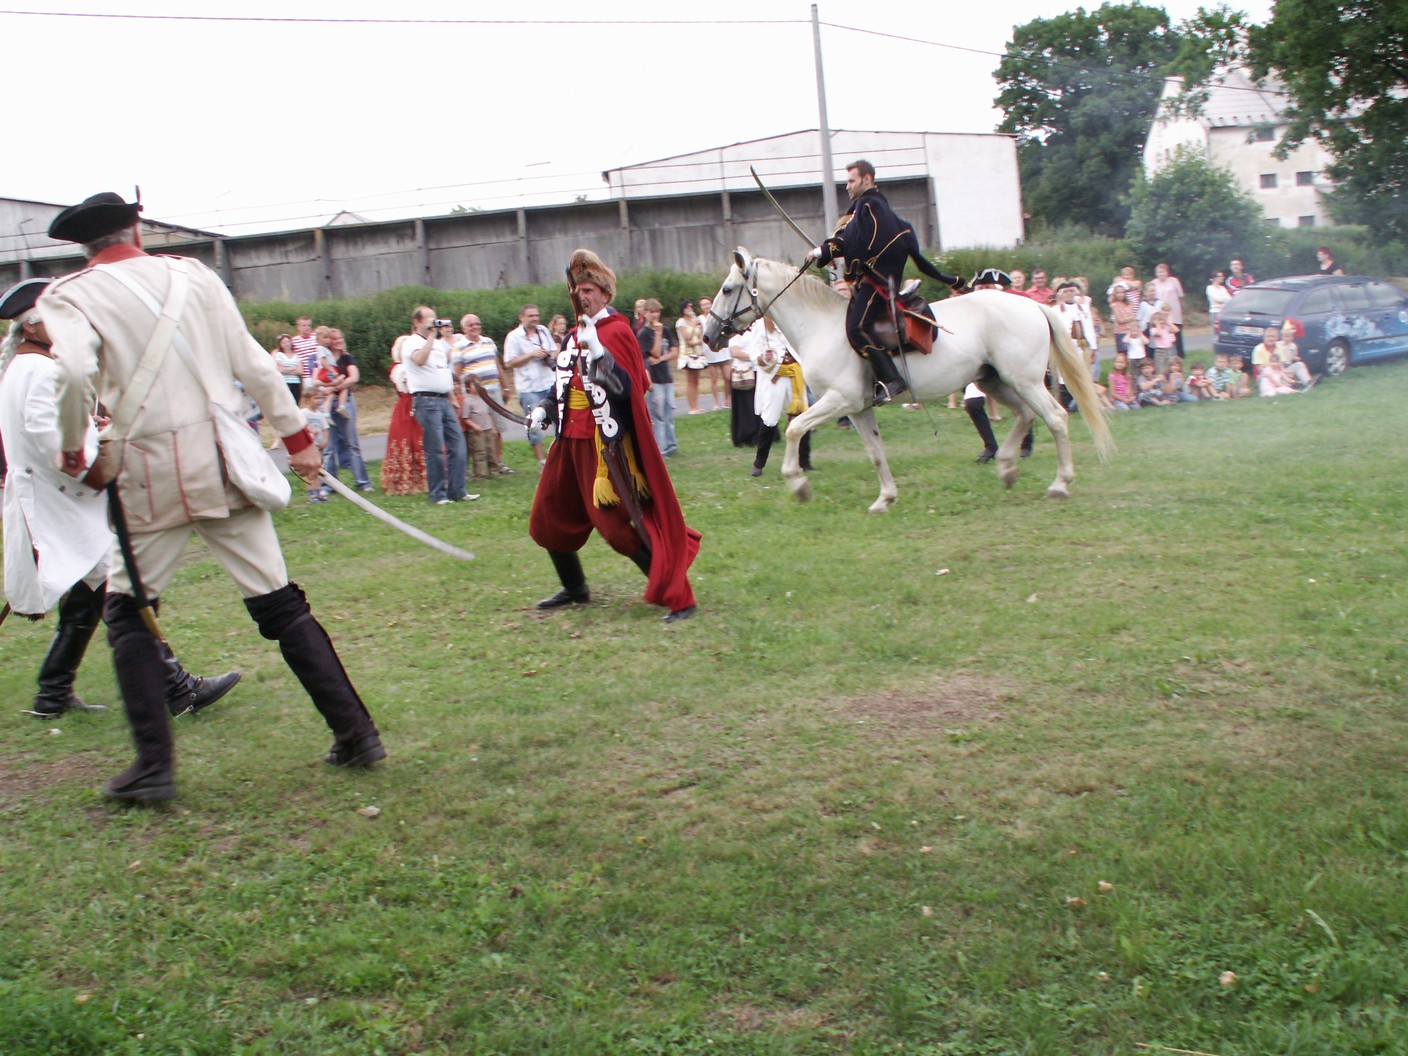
[(771, 394), (171, 472), (46, 511)]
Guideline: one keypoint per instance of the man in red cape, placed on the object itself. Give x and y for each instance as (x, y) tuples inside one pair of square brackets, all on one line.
[(605, 445)]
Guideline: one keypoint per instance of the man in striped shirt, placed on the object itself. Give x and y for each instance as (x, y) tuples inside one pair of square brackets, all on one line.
[(305, 347)]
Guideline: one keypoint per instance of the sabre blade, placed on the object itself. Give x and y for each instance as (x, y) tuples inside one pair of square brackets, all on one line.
[(415, 533)]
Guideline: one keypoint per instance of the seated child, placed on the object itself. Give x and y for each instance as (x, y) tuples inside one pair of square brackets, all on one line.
[(1200, 386), (1151, 387), (1241, 385), (1122, 393), (1274, 381), (1176, 386)]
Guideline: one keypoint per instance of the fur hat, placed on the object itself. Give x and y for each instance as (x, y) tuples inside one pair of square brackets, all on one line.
[(94, 218), (586, 266)]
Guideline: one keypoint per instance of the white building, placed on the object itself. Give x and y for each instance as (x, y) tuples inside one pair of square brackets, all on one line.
[(1237, 129), (970, 180)]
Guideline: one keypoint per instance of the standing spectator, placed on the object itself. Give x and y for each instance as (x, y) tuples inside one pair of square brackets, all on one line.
[(101, 329), (744, 422), (693, 363), (403, 469), (1163, 335), (426, 354), (1127, 280), (478, 355), (344, 447), (305, 346), (1121, 316), (557, 327), (780, 389), (479, 430), (529, 352), (320, 427), (291, 367), (1018, 283), (1240, 277), (1040, 292), (1327, 263), (718, 368), (1136, 347), (1218, 295), (1169, 292), (659, 351)]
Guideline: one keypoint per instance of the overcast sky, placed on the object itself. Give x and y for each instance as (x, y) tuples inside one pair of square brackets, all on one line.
[(240, 125)]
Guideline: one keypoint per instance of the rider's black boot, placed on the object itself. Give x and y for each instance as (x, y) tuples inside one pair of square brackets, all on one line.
[(888, 383)]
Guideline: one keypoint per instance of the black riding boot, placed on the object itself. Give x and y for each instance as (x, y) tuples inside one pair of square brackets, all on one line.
[(283, 616), (79, 613), (888, 383), (574, 582), (187, 693), (767, 436), (141, 675), (642, 560)]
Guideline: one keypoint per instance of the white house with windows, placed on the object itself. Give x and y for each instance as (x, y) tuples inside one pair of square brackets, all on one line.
[(1238, 129)]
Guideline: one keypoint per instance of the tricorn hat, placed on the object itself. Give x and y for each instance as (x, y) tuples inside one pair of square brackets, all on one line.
[(94, 218), (991, 277), (586, 266), (21, 297)]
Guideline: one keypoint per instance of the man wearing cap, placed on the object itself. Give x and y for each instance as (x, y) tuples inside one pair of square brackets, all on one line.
[(876, 245), (56, 528), (169, 471), (604, 445)]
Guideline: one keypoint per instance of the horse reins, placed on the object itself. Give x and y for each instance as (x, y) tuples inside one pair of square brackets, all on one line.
[(727, 326)]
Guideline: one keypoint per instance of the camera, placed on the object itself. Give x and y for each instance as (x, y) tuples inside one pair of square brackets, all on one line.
[(442, 322)]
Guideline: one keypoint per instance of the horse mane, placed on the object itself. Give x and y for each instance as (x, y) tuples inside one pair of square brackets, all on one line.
[(818, 294)]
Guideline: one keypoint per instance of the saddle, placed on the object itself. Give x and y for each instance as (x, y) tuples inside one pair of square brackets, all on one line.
[(918, 334)]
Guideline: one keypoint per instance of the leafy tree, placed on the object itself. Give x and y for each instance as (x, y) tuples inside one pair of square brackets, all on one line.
[(1080, 90), (1345, 66), (1194, 216)]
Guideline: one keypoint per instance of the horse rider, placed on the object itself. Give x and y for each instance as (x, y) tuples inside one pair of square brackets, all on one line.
[(876, 245)]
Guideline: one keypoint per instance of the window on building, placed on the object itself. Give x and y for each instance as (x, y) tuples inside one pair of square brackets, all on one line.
[(1305, 221), (1264, 134), (1268, 180), (1305, 179)]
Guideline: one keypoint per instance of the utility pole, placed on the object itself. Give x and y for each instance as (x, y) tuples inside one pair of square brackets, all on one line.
[(828, 179)]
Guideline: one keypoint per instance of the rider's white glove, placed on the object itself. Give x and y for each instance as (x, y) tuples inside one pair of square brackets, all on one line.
[(538, 419), (814, 255)]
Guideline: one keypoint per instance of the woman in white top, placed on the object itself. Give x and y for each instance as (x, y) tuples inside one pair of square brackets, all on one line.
[(1218, 295)]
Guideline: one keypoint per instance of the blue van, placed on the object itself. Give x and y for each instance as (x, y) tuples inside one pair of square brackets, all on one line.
[(1344, 318)]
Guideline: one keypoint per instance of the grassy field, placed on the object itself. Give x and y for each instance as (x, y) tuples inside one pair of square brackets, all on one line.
[(987, 774)]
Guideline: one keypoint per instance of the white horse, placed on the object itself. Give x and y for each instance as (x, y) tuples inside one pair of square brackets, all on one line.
[(1001, 342)]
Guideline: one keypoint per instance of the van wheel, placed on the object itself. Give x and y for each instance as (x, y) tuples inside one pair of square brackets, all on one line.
[(1337, 357)]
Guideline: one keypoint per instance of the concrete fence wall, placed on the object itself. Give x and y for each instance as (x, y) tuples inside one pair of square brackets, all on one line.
[(476, 251)]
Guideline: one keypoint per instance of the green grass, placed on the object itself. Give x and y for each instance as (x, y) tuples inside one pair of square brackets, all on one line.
[(854, 806)]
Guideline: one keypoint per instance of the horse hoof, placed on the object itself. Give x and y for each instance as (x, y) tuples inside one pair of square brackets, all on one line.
[(881, 505), (1055, 492), (1008, 475)]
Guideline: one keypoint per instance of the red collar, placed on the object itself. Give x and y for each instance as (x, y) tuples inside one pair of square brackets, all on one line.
[(113, 254)]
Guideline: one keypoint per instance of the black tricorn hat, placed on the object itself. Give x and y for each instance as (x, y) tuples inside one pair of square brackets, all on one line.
[(991, 277), (95, 217), (21, 297)]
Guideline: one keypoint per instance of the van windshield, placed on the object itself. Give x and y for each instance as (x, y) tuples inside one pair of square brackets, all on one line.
[(1260, 302)]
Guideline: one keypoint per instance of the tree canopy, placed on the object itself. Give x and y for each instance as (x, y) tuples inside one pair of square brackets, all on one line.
[(1193, 215), (1080, 90), (1345, 67)]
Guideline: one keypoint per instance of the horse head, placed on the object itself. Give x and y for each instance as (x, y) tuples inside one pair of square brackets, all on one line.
[(736, 306)]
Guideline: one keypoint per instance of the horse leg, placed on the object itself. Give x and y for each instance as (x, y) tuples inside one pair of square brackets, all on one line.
[(826, 409), (865, 425), (1009, 449), (1049, 409)]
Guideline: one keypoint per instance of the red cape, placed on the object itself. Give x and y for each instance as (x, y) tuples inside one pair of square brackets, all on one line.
[(673, 544)]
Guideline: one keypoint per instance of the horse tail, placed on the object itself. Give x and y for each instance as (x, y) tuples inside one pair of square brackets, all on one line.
[(1075, 372)]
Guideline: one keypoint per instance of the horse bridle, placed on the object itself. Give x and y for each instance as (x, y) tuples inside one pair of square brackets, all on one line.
[(728, 326)]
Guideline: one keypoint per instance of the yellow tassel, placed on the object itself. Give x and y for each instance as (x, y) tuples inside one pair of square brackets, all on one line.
[(793, 372), (603, 491)]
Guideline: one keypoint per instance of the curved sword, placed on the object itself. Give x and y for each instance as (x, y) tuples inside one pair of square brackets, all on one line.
[(494, 405), (395, 522), (811, 242)]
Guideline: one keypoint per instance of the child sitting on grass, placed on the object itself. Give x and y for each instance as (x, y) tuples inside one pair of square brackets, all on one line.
[(1241, 384), (1151, 387), (1122, 394), (1200, 385)]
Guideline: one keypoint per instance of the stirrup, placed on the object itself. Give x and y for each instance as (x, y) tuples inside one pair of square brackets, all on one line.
[(883, 395)]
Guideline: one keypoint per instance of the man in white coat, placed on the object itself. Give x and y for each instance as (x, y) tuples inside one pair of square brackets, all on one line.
[(56, 528), (171, 474), (780, 389)]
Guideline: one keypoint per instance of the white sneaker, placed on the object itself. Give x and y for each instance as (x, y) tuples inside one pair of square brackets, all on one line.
[(442, 502), (469, 497)]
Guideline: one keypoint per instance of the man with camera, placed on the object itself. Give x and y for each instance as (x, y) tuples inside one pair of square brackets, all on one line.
[(426, 355)]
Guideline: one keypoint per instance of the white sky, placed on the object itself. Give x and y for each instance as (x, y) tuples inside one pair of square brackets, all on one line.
[(240, 126)]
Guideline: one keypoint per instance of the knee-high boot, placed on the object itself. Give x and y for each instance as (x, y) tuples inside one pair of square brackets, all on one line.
[(283, 616), (79, 613), (141, 675), (889, 384), (574, 581)]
